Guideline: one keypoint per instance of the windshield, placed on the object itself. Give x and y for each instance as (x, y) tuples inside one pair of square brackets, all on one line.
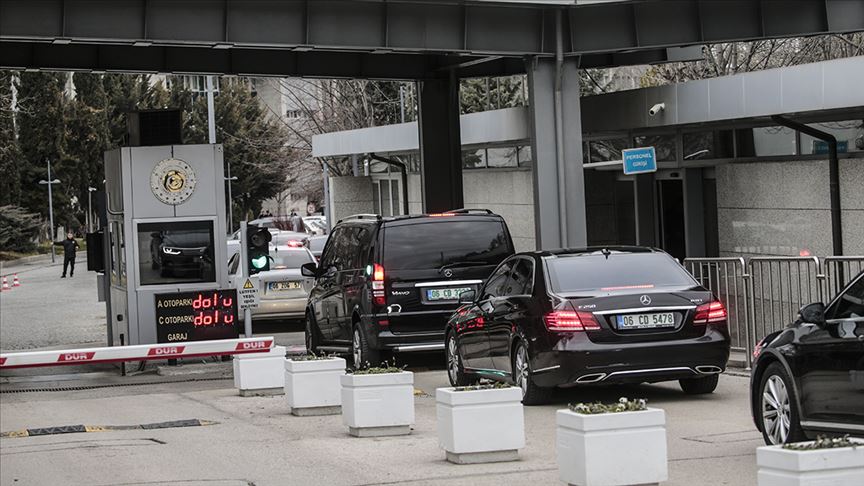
[(433, 244), (288, 259), (618, 272)]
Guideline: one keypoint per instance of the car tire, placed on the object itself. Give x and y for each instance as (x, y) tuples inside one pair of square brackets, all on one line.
[(523, 378), (777, 385), (362, 354), (312, 337), (700, 386), (455, 369)]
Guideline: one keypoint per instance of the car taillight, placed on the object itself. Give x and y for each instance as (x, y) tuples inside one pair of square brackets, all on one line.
[(378, 296), (711, 312), (570, 321)]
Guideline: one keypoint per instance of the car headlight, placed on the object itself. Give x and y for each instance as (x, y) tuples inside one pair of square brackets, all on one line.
[(170, 251)]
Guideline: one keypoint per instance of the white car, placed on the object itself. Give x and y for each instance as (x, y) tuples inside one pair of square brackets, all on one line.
[(283, 290)]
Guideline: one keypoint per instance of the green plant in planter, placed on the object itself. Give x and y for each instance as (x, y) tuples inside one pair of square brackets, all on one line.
[(486, 386), (313, 357), (822, 442), (624, 405), (384, 368)]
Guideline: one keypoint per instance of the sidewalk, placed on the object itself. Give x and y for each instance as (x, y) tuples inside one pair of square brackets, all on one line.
[(712, 440)]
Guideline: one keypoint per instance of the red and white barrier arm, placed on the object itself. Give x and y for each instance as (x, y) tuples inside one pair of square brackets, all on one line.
[(135, 353)]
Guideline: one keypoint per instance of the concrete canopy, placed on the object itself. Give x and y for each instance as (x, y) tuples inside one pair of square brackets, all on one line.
[(399, 39)]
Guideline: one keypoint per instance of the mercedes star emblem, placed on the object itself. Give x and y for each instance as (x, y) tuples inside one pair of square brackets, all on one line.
[(645, 300), (448, 273)]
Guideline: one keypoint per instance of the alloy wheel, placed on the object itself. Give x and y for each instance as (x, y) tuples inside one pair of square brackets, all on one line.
[(452, 361), (521, 369), (355, 349), (776, 410)]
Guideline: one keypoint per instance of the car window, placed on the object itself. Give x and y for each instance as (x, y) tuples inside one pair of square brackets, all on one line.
[(521, 281), (850, 304), (591, 272), (233, 264), (435, 242), (496, 285), (287, 259), (328, 258)]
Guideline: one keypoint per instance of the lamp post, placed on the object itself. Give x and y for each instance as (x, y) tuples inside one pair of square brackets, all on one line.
[(50, 182), (90, 209)]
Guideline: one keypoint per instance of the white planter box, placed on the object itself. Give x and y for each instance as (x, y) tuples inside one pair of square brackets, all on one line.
[(313, 387), (378, 405), (837, 467), (612, 449), (480, 425), (260, 373)]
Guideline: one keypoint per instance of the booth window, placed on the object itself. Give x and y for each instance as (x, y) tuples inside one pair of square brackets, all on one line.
[(176, 252)]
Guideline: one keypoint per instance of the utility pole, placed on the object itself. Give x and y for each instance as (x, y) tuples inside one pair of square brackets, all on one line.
[(90, 209), (211, 116), (230, 200), (50, 182)]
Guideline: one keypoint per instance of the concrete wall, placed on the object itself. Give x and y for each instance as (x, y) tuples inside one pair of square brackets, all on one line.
[(507, 192), (350, 195), (783, 208)]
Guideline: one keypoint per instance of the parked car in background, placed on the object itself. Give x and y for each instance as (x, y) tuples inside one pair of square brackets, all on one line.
[(283, 291), (315, 225), (316, 244), (809, 378), (280, 237), (390, 284), (566, 318)]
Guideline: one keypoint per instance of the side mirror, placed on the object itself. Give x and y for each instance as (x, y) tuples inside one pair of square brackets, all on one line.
[(813, 313), (309, 270), (467, 297)]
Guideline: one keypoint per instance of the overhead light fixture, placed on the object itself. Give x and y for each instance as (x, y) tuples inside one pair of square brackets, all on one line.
[(61, 41), (142, 44), (222, 45), (302, 48), (382, 51)]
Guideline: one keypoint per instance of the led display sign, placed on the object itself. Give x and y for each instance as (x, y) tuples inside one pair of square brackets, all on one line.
[(196, 316)]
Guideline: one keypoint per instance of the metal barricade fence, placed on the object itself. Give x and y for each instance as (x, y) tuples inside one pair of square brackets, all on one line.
[(727, 279), (781, 286), (764, 294), (839, 271)]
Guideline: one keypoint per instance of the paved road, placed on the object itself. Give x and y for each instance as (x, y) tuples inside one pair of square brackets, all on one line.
[(47, 311), (711, 440)]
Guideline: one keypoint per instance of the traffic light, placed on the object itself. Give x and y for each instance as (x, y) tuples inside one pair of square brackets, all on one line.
[(258, 249)]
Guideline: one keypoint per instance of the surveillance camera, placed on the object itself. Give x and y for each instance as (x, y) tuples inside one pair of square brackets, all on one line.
[(657, 109)]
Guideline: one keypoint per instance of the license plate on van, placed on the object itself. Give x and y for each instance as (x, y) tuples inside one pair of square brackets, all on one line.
[(445, 294), (646, 321)]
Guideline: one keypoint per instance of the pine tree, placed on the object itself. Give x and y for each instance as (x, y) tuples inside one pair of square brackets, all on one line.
[(40, 131)]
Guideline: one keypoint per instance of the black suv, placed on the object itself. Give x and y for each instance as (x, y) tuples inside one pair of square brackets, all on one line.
[(809, 378), (390, 284)]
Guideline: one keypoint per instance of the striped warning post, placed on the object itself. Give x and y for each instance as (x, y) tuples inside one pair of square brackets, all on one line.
[(143, 352), (15, 281)]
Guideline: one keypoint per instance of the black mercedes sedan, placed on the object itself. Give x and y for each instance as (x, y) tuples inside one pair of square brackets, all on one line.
[(809, 378), (574, 317)]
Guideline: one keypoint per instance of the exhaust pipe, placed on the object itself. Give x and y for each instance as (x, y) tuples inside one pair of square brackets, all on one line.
[(592, 378), (709, 370)]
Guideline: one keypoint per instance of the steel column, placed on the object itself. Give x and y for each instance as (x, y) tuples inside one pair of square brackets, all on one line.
[(440, 144), (548, 146)]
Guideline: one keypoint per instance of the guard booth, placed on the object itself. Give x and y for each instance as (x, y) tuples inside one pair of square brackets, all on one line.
[(167, 254)]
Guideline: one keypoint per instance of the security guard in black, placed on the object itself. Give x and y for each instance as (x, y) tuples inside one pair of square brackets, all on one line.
[(70, 246)]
